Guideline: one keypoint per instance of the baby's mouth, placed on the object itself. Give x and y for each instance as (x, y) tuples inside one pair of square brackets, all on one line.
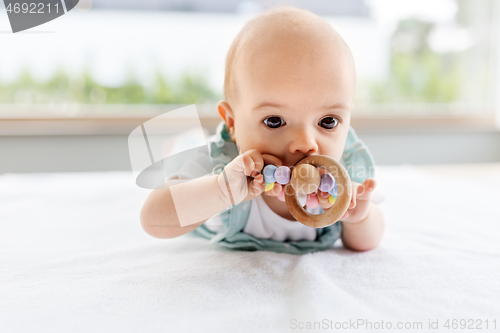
[(292, 165)]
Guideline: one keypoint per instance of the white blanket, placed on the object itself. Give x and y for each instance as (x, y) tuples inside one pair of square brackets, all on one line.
[(73, 258)]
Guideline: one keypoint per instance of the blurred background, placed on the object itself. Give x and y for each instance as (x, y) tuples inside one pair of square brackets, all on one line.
[(72, 89)]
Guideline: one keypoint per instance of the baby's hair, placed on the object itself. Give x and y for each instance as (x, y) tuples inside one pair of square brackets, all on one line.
[(290, 17)]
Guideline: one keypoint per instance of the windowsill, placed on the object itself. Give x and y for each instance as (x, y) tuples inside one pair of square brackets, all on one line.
[(124, 126), (103, 120)]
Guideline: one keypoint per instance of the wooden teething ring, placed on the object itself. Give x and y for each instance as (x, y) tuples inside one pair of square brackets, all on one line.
[(331, 215)]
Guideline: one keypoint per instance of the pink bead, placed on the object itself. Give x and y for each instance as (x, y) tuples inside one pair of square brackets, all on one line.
[(281, 196), (312, 200)]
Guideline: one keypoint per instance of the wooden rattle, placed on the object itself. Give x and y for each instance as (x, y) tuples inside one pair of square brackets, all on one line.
[(305, 179)]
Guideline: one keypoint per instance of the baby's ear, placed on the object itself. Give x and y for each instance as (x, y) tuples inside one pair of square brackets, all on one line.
[(226, 114), (225, 111)]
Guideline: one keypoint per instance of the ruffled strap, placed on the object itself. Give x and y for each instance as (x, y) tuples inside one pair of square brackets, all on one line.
[(356, 158)]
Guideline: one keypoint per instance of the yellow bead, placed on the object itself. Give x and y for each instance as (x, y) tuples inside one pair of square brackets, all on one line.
[(269, 186), (332, 199)]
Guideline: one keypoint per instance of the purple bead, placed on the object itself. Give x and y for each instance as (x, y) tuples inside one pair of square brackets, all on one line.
[(282, 175), (327, 182)]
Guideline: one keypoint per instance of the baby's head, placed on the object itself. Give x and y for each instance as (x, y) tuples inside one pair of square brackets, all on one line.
[(289, 86)]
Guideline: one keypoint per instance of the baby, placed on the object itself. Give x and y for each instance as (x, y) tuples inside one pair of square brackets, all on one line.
[(289, 86)]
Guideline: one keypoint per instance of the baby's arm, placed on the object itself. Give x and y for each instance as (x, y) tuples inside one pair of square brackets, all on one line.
[(159, 215), (363, 223), (204, 197)]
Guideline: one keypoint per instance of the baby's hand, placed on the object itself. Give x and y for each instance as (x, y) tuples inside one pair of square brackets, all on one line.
[(360, 200), (235, 181)]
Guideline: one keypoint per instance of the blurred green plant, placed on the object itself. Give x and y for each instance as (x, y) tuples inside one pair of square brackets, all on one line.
[(190, 88), (417, 74)]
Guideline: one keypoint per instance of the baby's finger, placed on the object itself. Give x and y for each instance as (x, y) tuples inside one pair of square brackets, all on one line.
[(366, 189), (323, 199), (323, 195), (248, 164), (271, 159), (325, 204), (322, 170), (256, 185), (258, 161), (354, 187), (275, 191)]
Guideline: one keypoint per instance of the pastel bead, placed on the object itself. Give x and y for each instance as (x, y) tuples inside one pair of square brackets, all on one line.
[(312, 201), (281, 196), (302, 199), (305, 178), (334, 191), (268, 173), (327, 182), (332, 199), (282, 175), (269, 186)]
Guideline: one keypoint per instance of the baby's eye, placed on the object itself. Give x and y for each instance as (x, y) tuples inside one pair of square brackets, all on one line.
[(329, 122), (274, 122)]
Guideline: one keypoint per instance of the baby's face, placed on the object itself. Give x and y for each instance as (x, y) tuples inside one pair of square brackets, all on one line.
[(294, 104)]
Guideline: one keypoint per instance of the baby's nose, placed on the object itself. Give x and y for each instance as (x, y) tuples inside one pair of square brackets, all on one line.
[(303, 141)]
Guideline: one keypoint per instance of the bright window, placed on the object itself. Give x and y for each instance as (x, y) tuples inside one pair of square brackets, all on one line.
[(413, 57)]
